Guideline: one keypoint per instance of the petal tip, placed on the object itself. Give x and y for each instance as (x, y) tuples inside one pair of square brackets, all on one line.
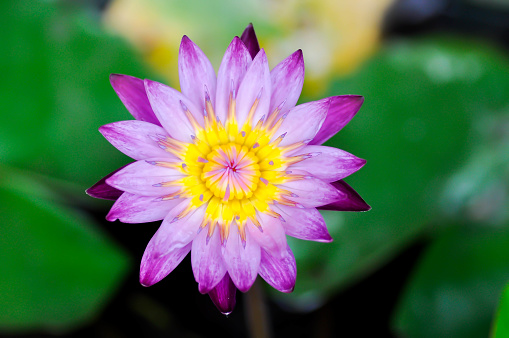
[(89, 192), (261, 56), (114, 77), (249, 38), (203, 289), (290, 290), (110, 217), (367, 207), (327, 239), (244, 288), (362, 162), (151, 87), (352, 201), (186, 43), (298, 54), (120, 82), (97, 192), (342, 99), (103, 190), (296, 61), (249, 31), (104, 129), (244, 283), (223, 295), (359, 99), (148, 83), (356, 100), (145, 279)]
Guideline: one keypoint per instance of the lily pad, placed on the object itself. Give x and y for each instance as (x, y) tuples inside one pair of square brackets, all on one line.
[(501, 325), (58, 270), (454, 291)]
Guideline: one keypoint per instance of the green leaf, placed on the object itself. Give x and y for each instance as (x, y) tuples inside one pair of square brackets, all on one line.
[(477, 192), (56, 93), (423, 100), (57, 270), (455, 289), (501, 325)]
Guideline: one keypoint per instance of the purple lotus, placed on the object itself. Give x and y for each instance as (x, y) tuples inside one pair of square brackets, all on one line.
[(231, 166)]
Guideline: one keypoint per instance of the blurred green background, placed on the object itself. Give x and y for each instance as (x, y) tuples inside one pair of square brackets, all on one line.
[(431, 259)]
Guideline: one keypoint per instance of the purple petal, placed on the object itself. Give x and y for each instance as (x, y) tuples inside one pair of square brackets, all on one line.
[(169, 106), (256, 84), (136, 139), (235, 62), (242, 261), (312, 192), (130, 208), (272, 238), (328, 164), (279, 272), (250, 40), (351, 200), (223, 295), (207, 260), (341, 111), (305, 224), (303, 122), (196, 73), (144, 178), (105, 191), (154, 267), (287, 80), (131, 92), (170, 244)]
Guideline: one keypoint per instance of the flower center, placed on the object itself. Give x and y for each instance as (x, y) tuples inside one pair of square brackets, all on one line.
[(232, 172)]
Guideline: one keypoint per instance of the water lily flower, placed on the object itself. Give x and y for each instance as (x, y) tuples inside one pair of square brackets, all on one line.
[(231, 166)]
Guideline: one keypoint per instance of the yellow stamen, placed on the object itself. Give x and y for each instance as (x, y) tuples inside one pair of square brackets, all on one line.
[(233, 173)]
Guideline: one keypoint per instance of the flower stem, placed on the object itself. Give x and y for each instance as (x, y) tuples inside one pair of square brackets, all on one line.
[(257, 318)]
